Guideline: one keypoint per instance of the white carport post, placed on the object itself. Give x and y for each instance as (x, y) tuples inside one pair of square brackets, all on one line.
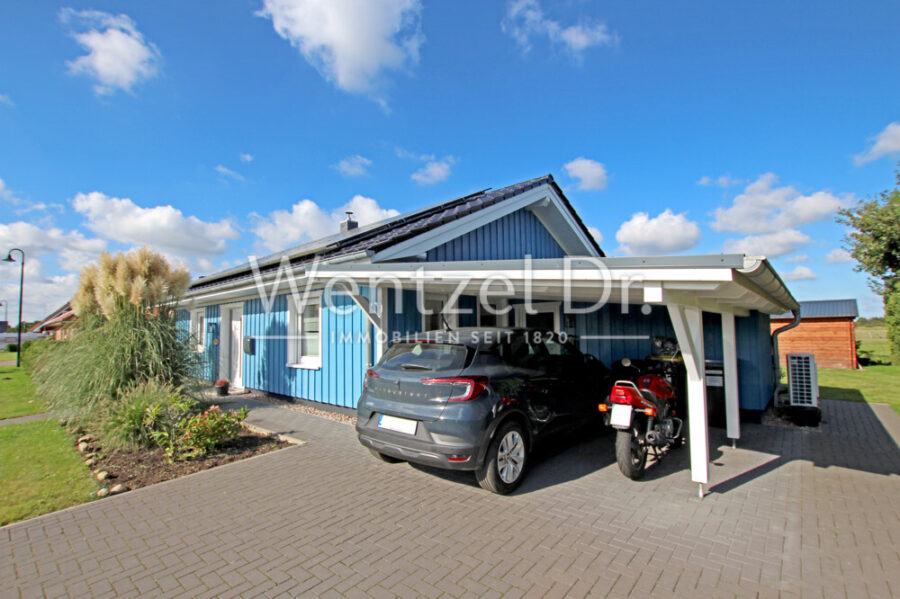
[(730, 371), (688, 324)]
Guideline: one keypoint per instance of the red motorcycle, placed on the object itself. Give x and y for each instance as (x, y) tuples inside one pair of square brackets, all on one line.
[(641, 407)]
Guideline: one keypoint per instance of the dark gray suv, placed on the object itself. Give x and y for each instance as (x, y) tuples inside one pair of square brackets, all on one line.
[(477, 399)]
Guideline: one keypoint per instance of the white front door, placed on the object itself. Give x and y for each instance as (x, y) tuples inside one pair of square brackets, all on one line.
[(235, 347)]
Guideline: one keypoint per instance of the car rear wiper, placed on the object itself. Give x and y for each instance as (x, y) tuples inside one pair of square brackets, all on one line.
[(411, 366)]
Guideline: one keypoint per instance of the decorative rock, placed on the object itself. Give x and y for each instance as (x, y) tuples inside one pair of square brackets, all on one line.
[(102, 492), (90, 462), (102, 475), (118, 489), (84, 438), (82, 446)]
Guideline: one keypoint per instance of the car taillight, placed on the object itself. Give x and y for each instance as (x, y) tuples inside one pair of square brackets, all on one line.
[(471, 386), (370, 373)]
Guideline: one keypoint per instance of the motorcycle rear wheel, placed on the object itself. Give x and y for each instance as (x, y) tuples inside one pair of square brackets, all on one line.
[(630, 454)]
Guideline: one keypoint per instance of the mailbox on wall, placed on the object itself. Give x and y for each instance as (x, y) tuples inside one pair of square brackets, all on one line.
[(249, 345)]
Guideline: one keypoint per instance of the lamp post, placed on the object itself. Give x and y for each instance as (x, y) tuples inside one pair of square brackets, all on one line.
[(9, 258)]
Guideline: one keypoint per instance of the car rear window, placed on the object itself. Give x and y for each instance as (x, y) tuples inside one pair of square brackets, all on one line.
[(414, 355)]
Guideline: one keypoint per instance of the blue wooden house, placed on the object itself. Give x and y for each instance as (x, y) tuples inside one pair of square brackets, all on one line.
[(360, 288)]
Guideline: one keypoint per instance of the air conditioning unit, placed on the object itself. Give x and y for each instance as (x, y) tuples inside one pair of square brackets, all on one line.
[(803, 380)]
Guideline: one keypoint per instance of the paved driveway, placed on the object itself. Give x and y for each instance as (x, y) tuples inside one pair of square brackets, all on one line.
[(795, 513)]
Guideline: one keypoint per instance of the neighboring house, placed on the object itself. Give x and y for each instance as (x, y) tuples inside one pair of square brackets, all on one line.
[(56, 324), (827, 329), (251, 333)]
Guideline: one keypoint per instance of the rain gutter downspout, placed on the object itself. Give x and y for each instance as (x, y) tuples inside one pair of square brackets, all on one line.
[(777, 356)]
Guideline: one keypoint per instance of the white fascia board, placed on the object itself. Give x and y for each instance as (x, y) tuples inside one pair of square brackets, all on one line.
[(247, 289), (420, 244)]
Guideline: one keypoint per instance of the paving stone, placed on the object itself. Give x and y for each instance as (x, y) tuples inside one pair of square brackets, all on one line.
[(791, 513)]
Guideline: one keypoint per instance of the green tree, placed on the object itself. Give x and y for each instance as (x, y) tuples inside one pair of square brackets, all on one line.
[(874, 242)]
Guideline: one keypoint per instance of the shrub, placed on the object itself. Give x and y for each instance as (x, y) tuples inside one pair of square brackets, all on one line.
[(12, 347), (165, 423), (32, 350), (124, 423), (126, 334), (212, 428)]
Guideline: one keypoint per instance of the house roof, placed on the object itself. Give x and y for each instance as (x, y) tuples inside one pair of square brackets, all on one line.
[(55, 318), (383, 234), (842, 308)]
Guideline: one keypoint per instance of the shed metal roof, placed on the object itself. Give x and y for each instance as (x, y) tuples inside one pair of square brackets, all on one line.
[(388, 232), (842, 308)]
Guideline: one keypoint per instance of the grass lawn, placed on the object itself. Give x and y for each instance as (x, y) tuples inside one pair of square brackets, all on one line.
[(876, 384), (17, 396), (873, 343), (40, 471), (6, 356)]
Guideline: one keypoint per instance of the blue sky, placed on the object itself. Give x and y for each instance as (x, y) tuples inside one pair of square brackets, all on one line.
[(215, 130)]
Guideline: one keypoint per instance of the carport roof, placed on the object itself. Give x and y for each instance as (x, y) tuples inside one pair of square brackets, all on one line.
[(727, 282)]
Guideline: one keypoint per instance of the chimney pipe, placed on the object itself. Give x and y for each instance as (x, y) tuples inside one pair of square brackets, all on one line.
[(349, 224)]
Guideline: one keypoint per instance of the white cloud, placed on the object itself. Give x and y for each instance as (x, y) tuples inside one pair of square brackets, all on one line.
[(165, 228), (525, 19), (351, 42), (838, 256), (764, 208), (407, 155), (117, 56), (227, 172), (8, 195), (801, 273), (6, 100), (885, 143), (246, 157), (434, 171), (663, 234), (43, 294), (354, 166), (596, 234), (723, 181), (72, 248), (591, 174), (771, 245), (797, 259), (307, 220)]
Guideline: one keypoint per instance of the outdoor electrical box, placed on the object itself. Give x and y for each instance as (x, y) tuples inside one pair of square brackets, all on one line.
[(249, 345), (715, 393)]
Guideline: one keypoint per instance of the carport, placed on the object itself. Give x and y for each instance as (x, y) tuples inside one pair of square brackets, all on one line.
[(729, 285)]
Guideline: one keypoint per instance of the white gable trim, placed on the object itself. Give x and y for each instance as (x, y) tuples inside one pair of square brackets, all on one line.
[(543, 201)]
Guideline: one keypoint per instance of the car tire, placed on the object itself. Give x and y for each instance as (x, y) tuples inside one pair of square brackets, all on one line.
[(385, 458), (506, 460)]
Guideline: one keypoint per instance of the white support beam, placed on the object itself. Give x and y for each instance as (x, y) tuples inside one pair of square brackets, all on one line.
[(688, 324), (363, 302), (381, 334), (729, 357)]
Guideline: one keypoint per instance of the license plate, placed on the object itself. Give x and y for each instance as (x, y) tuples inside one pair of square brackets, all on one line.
[(621, 415), (401, 425)]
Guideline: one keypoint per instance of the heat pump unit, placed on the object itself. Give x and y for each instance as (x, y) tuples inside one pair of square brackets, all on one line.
[(803, 380)]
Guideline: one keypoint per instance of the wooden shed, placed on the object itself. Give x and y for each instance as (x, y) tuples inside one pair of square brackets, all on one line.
[(827, 329)]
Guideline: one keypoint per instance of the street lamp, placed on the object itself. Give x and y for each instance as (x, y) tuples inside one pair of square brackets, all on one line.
[(9, 258)]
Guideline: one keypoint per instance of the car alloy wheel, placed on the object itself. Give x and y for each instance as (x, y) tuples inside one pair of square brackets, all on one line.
[(510, 457)]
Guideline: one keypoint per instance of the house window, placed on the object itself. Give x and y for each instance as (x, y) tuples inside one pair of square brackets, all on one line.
[(198, 329), (305, 340), (495, 316), (545, 316), (441, 313)]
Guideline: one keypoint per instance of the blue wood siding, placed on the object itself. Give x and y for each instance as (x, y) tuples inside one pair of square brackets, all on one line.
[(755, 366), (468, 302), (183, 322), (508, 238), (754, 344), (345, 352), (403, 313)]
